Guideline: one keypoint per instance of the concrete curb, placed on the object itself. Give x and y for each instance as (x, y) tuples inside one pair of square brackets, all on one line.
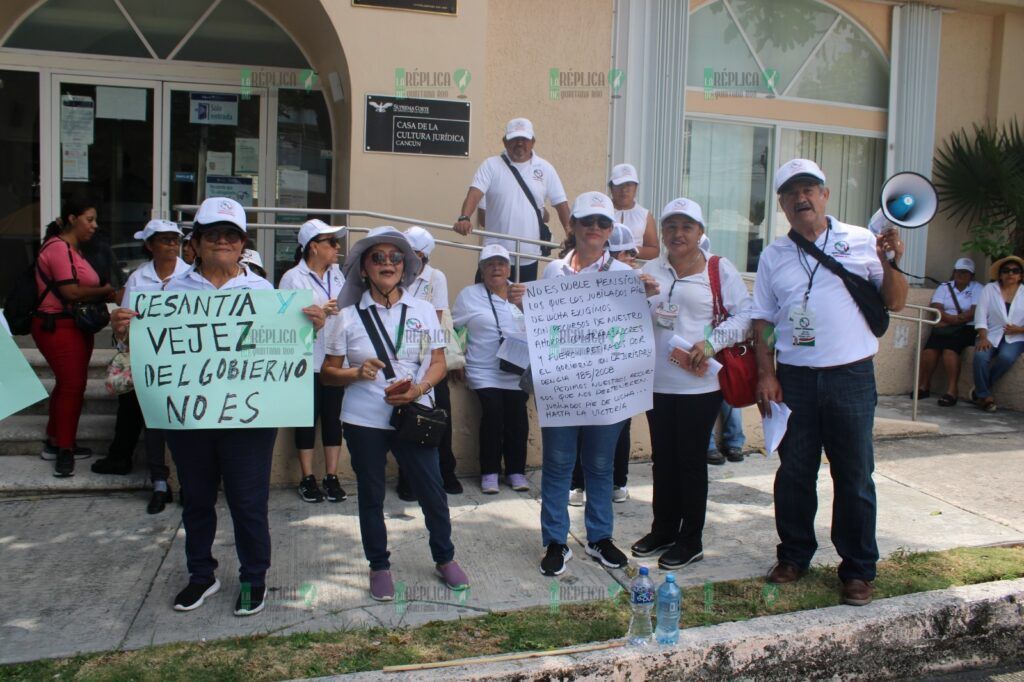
[(917, 634)]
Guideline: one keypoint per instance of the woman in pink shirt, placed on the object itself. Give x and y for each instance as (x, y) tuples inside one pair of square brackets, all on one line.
[(66, 278)]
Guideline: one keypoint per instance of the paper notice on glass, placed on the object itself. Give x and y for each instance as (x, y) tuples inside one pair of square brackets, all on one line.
[(76, 119), (515, 350), (239, 189), (126, 104), (714, 366), (292, 187), (247, 155), (74, 162), (775, 426), (218, 163), (208, 108)]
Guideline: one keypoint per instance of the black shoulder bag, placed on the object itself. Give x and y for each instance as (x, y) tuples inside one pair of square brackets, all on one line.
[(863, 292), (503, 365), (544, 230), (951, 329), (415, 423)]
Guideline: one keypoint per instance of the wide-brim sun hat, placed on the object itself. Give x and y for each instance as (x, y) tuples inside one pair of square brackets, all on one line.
[(354, 283), (993, 270)]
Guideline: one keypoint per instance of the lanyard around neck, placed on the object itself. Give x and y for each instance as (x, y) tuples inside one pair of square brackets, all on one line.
[(319, 282), (811, 272), (393, 347)]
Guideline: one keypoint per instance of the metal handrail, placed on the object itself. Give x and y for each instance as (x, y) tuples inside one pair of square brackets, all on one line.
[(921, 321)]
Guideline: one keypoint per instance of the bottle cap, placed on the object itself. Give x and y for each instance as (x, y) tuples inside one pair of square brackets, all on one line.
[(643, 570), (670, 578)]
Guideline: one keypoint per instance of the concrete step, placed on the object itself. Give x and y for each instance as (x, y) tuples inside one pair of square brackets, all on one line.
[(24, 434), (29, 474), (97, 399), (97, 364)]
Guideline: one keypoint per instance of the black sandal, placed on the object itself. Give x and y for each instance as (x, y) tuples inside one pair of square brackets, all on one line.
[(947, 400), (921, 394)]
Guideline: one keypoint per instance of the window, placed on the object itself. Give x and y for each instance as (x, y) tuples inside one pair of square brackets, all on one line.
[(19, 174)]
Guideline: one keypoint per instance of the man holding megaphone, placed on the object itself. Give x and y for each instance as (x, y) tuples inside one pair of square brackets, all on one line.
[(820, 302)]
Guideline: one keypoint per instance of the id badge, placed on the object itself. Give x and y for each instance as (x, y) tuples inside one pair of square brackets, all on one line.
[(802, 319), (665, 315)]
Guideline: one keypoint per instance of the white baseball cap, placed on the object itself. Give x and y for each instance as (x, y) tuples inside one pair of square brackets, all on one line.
[(420, 239), (796, 168), (683, 206), (519, 127), (964, 264), (311, 229), (155, 226), (251, 257), (621, 239), (494, 251), (593, 203), (221, 210), (622, 173)]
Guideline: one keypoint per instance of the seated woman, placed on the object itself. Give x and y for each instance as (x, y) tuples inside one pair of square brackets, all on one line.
[(1000, 324), (955, 300)]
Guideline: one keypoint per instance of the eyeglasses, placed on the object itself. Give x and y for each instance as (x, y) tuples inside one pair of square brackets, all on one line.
[(602, 222), (333, 241), (168, 239), (1009, 271), (391, 257), (216, 234)]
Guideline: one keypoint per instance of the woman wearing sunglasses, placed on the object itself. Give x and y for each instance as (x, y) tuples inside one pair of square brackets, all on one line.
[(395, 351), (316, 269), (999, 319), (238, 459), (162, 239), (591, 226)]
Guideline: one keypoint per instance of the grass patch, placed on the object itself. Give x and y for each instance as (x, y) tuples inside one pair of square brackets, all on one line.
[(252, 659)]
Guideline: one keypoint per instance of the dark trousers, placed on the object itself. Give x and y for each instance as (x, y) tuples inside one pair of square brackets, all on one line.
[(834, 409), (67, 350), (240, 458), (369, 449), (326, 408), (504, 427), (446, 458), (620, 475), (127, 427), (680, 428)]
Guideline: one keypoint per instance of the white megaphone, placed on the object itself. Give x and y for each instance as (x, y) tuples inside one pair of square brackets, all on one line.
[(908, 200)]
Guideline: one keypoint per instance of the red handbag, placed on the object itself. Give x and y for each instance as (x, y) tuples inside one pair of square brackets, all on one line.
[(738, 377)]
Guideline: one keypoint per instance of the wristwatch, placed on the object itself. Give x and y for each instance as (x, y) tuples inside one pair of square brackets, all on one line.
[(461, 218)]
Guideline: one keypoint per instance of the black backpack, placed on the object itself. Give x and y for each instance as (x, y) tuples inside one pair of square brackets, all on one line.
[(24, 299)]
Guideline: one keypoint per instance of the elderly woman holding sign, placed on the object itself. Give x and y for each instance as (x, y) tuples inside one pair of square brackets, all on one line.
[(395, 351), (237, 458), (687, 396), (591, 226)]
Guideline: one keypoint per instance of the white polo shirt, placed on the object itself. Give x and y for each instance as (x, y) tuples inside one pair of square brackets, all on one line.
[(191, 280), (966, 298), (636, 220), (841, 335), (562, 267), (324, 289), (508, 209), (144, 278), (364, 404), (991, 314), (473, 311), (431, 285), (692, 295)]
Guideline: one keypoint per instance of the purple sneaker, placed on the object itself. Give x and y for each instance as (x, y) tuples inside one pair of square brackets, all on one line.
[(453, 576), (489, 484), (382, 587), (518, 482)]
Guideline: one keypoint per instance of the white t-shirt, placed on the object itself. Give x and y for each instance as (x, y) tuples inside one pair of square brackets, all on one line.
[(563, 268), (991, 314), (966, 298), (692, 295), (364, 404), (324, 289), (191, 280), (144, 278), (431, 285), (508, 209), (841, 334), (636, 220), (473, 311)]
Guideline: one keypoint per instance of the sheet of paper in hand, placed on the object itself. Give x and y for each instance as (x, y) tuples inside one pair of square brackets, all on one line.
[(591, 348), (223, 359), (19, 386)]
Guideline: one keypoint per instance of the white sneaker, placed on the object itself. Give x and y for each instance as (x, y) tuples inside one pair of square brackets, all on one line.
[(620, 494), (577, 497)]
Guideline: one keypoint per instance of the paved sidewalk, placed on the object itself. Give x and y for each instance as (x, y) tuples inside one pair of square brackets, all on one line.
[(94, 572)]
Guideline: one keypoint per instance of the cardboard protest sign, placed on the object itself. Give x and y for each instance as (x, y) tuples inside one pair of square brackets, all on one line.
[(223, 359), (19, 386), (591, 348)]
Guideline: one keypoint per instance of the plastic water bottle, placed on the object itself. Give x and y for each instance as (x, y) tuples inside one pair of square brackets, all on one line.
[(669, 595), (641, 601)]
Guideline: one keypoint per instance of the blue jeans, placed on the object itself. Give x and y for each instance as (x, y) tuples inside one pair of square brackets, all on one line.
[(990, 365), (369, 449), (598, 454), (732, 429), (834, 409)]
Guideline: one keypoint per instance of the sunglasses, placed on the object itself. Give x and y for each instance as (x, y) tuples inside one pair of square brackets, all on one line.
[(590, 220), (391, 257), (168, 239), (333, 241), (216, 234), (1009, 271)]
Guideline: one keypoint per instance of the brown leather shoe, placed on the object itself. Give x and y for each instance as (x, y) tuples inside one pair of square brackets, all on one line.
[(857, 592), (785, 572)]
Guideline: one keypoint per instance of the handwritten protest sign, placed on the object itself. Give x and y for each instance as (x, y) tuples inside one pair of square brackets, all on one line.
[(591, 348), (19, 386), (223, 359)]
